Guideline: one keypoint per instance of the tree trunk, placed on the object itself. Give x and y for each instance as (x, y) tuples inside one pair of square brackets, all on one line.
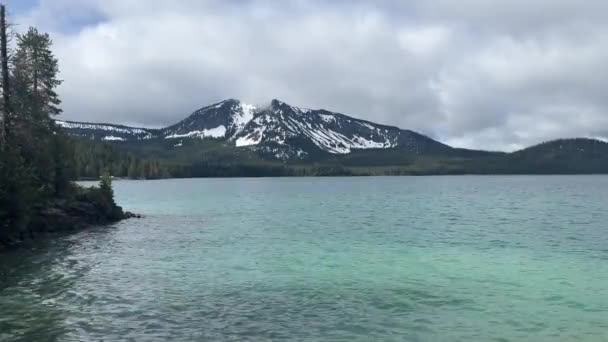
[(35, 63), (6, 105)]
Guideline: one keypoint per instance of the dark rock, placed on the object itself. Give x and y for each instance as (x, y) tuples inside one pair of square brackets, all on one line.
[(129, 215), (89, 208)]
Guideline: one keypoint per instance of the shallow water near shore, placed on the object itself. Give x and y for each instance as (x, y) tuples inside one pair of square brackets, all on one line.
[(470, 258)]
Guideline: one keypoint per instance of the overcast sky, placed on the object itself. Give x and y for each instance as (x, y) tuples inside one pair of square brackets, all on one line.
[(491, 74)]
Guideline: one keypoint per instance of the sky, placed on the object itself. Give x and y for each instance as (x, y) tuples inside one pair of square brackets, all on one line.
[(486, 74)]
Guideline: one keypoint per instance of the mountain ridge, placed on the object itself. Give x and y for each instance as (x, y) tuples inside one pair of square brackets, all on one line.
[(289, 134), (278, 130)]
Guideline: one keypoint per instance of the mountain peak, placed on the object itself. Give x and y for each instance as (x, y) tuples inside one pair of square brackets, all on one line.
[(221, 120), (229, 102), (282, 131), (278, 104)]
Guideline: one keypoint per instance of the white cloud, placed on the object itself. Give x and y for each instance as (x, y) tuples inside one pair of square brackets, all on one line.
[(474, 73), (423, 41)]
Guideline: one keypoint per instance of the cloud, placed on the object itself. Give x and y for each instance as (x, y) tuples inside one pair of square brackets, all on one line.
[(473, 73)]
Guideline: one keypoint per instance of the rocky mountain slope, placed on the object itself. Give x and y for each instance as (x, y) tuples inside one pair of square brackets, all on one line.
[(106, 132), (281, 132), (278, 131), (231, 138)]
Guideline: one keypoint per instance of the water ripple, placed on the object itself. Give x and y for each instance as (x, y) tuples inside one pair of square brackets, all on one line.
[(382, 259)]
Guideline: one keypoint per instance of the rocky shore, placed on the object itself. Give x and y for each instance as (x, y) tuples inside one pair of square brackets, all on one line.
[(88, 207)]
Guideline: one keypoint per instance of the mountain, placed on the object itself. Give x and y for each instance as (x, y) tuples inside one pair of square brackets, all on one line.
[(288, 132), (106, 132), (579, 155), (278, 131), (233, 138), (221, 121)]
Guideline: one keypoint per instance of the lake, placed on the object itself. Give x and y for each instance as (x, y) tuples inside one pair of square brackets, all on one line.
[(469, 258)]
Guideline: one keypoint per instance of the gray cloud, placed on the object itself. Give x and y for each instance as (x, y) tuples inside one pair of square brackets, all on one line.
[(473, 73)]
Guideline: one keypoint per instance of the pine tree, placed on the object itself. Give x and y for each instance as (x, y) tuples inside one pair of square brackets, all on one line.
[(35, 76), (34, 100), (6, 105), (105, 185), (132, 172), (36, 158)]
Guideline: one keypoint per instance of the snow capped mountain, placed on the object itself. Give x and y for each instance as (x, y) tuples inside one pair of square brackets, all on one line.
[(281, 123), (278, 131), (221, 120), (290, 131), (106, 132)]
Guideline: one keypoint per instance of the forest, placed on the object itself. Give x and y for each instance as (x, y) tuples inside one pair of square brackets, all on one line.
[(157, 159), (36, 159)]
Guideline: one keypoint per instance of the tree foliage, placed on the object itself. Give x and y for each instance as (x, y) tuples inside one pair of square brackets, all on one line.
[(35, 70), (36, 158)]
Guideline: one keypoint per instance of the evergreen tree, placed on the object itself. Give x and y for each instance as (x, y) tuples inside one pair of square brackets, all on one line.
[(105, 185), (35, 77), (35, 157), (6, 105), (34, 99)]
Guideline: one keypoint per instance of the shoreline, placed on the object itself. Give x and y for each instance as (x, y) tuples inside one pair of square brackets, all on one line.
[(360, 176), (90, 207), (71, 225)]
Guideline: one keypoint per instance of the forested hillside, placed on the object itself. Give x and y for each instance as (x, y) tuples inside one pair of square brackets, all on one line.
[(158, 158), (230, 139)]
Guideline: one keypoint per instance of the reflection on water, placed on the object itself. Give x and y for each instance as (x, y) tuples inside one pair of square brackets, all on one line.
[(37, 282)]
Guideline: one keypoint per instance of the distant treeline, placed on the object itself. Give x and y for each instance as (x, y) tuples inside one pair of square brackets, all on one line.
[(153, 160), (92, 159)]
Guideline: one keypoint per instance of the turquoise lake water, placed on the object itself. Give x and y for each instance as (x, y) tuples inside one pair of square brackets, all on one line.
[(469, 258)]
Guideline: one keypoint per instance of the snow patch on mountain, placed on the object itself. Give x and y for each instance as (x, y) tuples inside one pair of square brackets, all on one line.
[(327, 118), (328, 140), (112, 138), (100, 127), (299, 110), (106, 132), (333, 133), (365, 124), (252, 138), (217, 132), (362, 143), (241, 116)]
